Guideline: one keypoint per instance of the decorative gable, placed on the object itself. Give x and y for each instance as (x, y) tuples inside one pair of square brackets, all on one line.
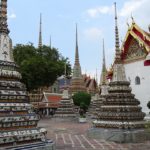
[(135, 51), (136, 45)]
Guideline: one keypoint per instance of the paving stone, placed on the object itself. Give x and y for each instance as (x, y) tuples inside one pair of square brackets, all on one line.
[(71, 135)]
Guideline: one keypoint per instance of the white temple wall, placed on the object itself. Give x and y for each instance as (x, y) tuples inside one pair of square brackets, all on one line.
[(142, 90)]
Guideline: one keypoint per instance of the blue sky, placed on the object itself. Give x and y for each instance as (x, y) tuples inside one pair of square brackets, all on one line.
[(95, 19)]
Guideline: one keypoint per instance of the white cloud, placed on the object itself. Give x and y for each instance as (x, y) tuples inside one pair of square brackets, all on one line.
[(93, 33), (92, 13), (105, 10), (140, 11), (95, 12), (12, 16), (131, 6)]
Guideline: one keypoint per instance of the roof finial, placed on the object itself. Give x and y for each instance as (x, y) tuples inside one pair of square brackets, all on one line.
[(40, 32), (117, 46), (132, 19), (76, 52), (3, 17), (128, 24)]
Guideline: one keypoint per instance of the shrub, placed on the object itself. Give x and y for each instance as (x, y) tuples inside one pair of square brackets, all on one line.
[(83, 100), (148, 104)]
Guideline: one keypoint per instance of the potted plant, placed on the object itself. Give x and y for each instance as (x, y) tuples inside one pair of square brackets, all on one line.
[(148, 104), (82, 99)]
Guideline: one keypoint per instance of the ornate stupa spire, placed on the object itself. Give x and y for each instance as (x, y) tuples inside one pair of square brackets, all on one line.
[(40, 32), (77, 83), (3, 17), (103, 79), (104, 63), (76, 50), (119, 71), (117, 45), (77, 67), (104, 70)]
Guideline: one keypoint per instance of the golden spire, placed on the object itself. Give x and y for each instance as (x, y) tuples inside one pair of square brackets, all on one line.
[(128, 25), (133, 22), (3, 17), (40, 32), (76, 51)]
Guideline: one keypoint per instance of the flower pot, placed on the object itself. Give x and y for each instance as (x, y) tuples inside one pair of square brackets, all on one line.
[(82, 120)]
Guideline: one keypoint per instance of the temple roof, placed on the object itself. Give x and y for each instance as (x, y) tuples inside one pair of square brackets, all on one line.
[(139, 35), (50, 100), (51, 97)]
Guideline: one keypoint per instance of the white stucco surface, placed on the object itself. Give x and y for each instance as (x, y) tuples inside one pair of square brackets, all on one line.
[(142, 91)]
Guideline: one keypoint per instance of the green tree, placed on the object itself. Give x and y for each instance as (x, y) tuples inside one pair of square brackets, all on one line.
[(83, 100), (39, 67), (148, 104), (23, 52)]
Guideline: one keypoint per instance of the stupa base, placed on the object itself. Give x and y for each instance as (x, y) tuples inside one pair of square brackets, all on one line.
[(48, 145), (120, 135)]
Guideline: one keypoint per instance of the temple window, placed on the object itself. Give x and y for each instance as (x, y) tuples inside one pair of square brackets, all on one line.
[(137, 80)]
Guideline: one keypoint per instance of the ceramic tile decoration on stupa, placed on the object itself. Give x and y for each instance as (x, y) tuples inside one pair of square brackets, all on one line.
[(95, 103), (103, 87), (120, 118), (18, 122), (65, 108), (77, 82)]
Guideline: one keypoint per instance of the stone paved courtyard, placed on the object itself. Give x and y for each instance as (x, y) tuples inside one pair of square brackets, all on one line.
[(71, 135)]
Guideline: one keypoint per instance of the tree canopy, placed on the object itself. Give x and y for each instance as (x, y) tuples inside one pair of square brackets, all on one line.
[(40, 67), (82, 99), (148, 104)]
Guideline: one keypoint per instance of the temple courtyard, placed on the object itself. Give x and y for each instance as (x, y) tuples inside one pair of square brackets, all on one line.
[(69, 134)]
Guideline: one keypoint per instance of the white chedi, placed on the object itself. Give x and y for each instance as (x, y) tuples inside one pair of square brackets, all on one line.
[(5, 48), (65, 94)]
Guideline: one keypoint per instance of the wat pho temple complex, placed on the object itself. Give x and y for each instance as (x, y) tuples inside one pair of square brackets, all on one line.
[(119, 102), (135, 57)]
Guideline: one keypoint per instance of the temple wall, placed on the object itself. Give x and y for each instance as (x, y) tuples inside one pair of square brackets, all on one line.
[(142, 90)]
